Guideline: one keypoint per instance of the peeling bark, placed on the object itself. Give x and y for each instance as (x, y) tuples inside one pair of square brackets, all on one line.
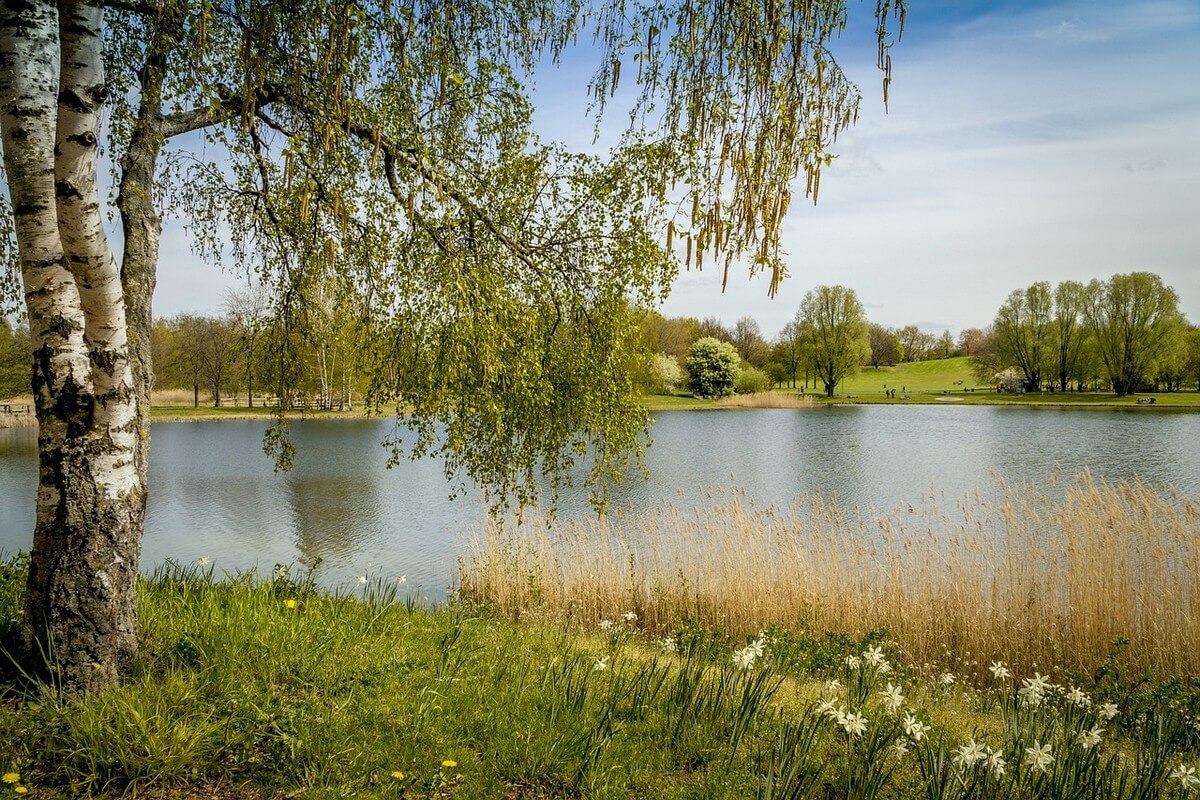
[(79, 618)]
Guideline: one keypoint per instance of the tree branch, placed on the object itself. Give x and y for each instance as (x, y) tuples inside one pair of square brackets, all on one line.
[(230, 106)]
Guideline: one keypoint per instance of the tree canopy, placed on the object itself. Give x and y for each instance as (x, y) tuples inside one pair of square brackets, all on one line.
[(835, 326)]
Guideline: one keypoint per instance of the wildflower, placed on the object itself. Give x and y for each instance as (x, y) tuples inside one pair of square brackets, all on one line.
[(1039, 755), (20, 789), (601, 664), (606, 625), (362, 579), (630, 617), (202, 561), (900, 747), (947, 679), (398, 775), (745, 658), (874, 656), (852, 662), (289, 603), (759, 645), (1089, 739), (1077, 697), (1033, 690), (914, 729), (401, 579), (995, 762), (826, 709), (448, 764), (999, 671), (669, 645), (968, 755), (1186, 777), (11, 777), (885, 668), (281, 571), (1108, 711), (892, 698), (853, 724), (833, 685)]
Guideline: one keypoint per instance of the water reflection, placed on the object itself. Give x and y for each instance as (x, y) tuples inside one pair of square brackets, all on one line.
[(215, 495)]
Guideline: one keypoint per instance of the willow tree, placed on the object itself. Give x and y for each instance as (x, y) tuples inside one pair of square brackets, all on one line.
[(1023, 332), (383, 149)]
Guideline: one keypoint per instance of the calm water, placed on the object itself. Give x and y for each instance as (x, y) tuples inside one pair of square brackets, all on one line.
[(214, 493)]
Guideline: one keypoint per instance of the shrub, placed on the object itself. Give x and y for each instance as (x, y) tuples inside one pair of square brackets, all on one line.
[(667, 373), (751, 380), (712, 367)]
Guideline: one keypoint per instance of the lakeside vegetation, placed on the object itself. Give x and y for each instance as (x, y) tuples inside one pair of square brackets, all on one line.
[(253, 689)]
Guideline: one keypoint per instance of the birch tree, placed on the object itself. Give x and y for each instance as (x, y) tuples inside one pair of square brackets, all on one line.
[(384, 149)]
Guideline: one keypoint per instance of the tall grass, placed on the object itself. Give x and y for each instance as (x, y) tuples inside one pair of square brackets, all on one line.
[(1038, 576), (771, 399)]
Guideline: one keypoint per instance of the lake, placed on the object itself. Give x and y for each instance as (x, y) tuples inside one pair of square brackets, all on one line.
[(215, 495)]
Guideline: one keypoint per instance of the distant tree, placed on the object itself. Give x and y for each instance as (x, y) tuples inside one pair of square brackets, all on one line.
[(982, 356), (835, 327), (712, 367), (971, 340), (670, 335), (751, 379), (250, 310), (16, 358), (788, 354), (1193, 358), (749, 341), (667, 373), (713, 327), (917, 344), (1068, 332), (1134, 319), (886, 349), (945, 345), (206, 353), (1022, 332)]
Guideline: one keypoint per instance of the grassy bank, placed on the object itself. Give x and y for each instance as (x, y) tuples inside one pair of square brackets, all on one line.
[(275, 690), (1033, 575), (946, 381)]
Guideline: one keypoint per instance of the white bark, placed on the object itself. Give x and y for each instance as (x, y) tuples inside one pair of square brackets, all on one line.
[(81, 95)]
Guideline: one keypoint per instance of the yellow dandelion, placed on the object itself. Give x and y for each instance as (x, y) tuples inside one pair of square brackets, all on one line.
[(289, 603), (11, 777), (397, 774), (95, 665), (448, 764), (20, 790)]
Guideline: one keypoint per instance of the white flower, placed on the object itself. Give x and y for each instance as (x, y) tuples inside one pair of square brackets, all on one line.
[(606, 625), (362, 579), (1108, 711), (1077, 697), (1033, 690), (601, 664), (745, 658), (900, 747), (401, 579), (669, 645), (1039, 755), (892, 698), (873, 656), (968, 755), (1089, 739), (833, 685), (630, 617), (281, 571), (995, 762), (852, 662), (885, 668), (999, 671), (202, 561), (914, 729), (1186, 777), (947, 679), (827, 709), (853, 724)]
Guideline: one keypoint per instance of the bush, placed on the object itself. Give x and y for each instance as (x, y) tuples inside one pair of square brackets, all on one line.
[(667, 374), (712, 368), (751, 380)]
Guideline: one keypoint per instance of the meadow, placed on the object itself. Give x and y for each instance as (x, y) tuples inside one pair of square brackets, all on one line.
[(255, 688)]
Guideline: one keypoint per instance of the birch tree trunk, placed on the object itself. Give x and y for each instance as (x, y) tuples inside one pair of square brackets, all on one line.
[(80, 619)]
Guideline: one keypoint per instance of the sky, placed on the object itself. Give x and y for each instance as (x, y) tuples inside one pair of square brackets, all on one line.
[(1023, 142)]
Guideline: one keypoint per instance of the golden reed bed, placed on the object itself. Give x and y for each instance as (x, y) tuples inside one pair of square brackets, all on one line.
[(1038, 576)]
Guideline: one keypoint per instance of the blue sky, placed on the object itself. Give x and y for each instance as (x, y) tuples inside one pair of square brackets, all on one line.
[(1024, 142)]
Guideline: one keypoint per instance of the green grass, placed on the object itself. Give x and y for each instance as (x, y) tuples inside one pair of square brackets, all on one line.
[(936, 382), (252, 689)]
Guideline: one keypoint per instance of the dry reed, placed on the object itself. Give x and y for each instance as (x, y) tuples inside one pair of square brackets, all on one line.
[(1038, 576), (767, 400)]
